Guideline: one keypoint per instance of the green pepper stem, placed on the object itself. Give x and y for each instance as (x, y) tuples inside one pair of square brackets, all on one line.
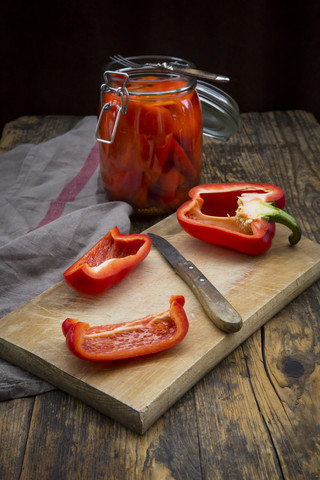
[(254, 208), (277, 215)]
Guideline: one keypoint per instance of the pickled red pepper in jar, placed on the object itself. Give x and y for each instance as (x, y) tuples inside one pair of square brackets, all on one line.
[(155, 155)]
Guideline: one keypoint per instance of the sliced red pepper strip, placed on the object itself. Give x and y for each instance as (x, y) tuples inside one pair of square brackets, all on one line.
[(169, 183), (107, 262), (148, 335), (121, 183), (236, 215), (178, 157)]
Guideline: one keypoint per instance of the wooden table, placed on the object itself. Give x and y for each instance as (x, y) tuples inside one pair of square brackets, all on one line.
[(257, 414)]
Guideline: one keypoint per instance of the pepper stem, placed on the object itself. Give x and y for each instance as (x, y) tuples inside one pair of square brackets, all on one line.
[(280, 216), (254, 208)]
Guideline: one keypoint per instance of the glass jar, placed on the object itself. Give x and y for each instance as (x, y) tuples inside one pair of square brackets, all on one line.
[(150, 138), (150, 130)]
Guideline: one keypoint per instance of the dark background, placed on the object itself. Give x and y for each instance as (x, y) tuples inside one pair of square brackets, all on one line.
[(53, 53)]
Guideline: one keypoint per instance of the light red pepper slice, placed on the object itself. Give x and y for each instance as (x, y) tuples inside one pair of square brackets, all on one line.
[(107, 262), (148, 335)]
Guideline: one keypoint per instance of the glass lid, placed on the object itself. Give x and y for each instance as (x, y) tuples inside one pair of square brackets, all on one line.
[(220, 113)]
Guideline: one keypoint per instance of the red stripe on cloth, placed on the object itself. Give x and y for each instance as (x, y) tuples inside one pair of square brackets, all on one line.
[(72, 189)]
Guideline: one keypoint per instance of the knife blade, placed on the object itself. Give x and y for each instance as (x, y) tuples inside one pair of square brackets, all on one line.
[(216, 306)]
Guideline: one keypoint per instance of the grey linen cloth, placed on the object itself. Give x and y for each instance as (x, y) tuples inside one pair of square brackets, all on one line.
[(52, 210)]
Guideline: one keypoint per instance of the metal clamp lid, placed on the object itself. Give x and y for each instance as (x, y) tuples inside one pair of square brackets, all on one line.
[(122, 92)]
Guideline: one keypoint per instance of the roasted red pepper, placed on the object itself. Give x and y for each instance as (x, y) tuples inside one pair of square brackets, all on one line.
[(108, 262), (237, 215), (156, 154), (147, 335)]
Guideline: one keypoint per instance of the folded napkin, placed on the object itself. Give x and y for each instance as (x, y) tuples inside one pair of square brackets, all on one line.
[(53, 207)]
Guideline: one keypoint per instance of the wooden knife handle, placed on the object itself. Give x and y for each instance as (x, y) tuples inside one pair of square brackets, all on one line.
[(218, 309)]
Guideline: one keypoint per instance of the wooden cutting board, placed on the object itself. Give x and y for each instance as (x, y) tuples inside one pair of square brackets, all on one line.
[(137, 392)]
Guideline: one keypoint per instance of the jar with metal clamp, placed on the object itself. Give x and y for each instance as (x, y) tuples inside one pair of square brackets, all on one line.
[(150, 138)]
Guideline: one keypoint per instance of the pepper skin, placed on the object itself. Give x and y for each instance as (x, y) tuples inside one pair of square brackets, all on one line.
[(145, 336), (236, 215), (108, 262)]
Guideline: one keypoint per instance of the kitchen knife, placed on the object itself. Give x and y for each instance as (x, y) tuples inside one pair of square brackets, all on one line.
[(218, 309)]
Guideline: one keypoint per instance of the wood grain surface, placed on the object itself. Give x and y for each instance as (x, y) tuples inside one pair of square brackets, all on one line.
[(257, 287), (256, 415)]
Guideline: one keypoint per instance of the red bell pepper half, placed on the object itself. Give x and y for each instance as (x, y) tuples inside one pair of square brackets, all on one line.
[(145, 336), (108, 262), (237, 215)]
